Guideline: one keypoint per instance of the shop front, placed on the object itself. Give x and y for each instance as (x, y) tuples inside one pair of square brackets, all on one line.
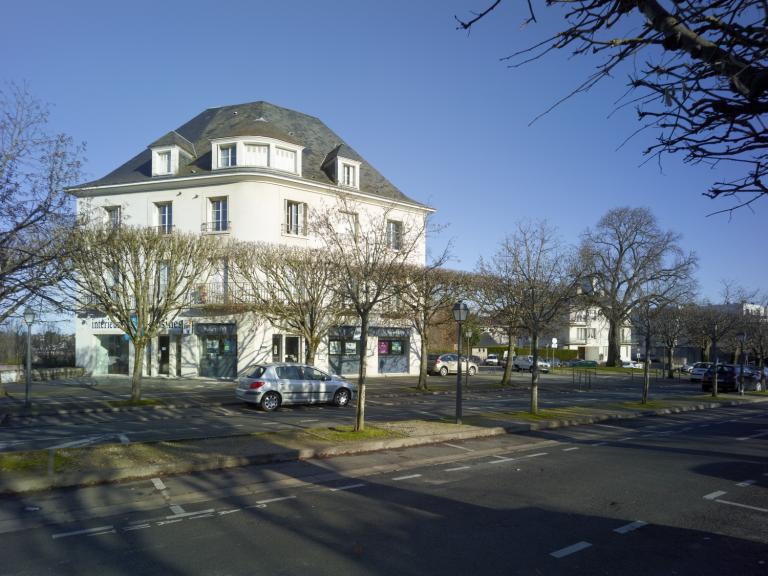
[(218, 350), (392, 349)]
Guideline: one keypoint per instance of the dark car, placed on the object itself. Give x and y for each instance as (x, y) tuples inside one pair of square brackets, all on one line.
[(727, 378)]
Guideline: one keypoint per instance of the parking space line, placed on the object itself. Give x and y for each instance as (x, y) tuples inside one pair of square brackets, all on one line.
[(747, 506), (158, 483), (571, 448), (536, 455), (630, 527), (457, 468), (275, 499), (745, 483), (568, 550), (407, 477)]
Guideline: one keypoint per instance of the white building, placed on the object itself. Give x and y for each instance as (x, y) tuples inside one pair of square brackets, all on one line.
[(587, 332), (252, 172)]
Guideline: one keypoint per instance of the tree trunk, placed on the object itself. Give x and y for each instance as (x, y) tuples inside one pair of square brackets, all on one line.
[(312, 346), (423, 364), (670, 369), (507, 376), (138, 360), (360, 415), (713, 358), (614, 346), (535, 374), (647, 366)]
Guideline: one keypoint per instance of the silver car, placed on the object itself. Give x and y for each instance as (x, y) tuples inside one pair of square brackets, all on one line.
[(272, 385), (698, 370)]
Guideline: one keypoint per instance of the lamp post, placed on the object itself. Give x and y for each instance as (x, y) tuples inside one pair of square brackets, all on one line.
[(29, 318), (468, 334), (460, 313), (742, 340)]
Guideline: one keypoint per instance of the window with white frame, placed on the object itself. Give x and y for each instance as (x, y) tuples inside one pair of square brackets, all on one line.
[(295, 218), (285, 159), (394, 235), (219, 215), (114, 216), (164, 165), (256, 155), (164, 217), (163, 272), (585, 333), (227, 156), (349, 175)]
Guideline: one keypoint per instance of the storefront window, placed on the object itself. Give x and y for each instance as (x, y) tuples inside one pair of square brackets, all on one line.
[(390, 347)]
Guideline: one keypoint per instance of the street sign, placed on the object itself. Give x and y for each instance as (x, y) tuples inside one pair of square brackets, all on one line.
[(554, 342)]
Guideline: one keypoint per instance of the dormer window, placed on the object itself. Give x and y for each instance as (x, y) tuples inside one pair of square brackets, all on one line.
[(348, 173), (228, 156), (257, 152), (165, 161)]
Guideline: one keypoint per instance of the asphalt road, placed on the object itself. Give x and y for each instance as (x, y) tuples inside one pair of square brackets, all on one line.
[(682, 494), (215, 412)]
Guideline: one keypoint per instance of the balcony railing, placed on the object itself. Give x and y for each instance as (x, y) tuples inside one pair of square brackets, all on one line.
[(219, 293), (216, 227), (163, 229)]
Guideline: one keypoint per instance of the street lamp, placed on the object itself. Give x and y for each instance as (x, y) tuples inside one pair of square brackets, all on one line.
[(460, 313), (468, 334), (742, 340), (29, 318)]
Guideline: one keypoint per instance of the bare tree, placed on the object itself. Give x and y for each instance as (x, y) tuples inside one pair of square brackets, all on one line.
[(545, 283), (292, 287), (756, 328), (632, 262), (35, 212), (426, 292), (370, 248), (138, 278), (670, 330), (703, 86)]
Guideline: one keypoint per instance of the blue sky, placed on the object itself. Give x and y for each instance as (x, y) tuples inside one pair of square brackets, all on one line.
[(433, 108)]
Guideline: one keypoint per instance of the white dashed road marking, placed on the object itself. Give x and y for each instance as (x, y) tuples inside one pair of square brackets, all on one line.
[(568, 550), (747, 506), (713, 495), (158, 483), (99, 530), (458, 447), (275, 500), (571, 448), (629, 527), (746, 483), (347, 487), (455, 469), (407, 477)]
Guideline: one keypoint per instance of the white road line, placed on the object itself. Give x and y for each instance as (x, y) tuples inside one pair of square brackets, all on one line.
[(187, 514), (571, 448), (458, 447), (136, 527), (347, 487), (275, 500), (176, 509), (310, 420), (123, 439), (714, 495), (746, 483), (225, 512), (502, 460), (609, 426), (423, 412), (761, 434), (455, 469), (158, 483), (748, 507), (407, 477), (81, 532), (568, 550), (164, 522), (629, 527), (535, 455)]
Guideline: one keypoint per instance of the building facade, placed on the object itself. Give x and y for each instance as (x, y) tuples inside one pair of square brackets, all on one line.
[(586, 331), (252, 172)]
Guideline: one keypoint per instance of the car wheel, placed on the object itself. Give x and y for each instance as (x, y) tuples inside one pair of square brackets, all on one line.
[(270, 402), (342, 397), (444, 371), (472, 370)]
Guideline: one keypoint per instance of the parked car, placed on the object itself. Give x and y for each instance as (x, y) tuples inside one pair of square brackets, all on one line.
[(271, 385), (526, 363), (728, 378), (492, 360), (576, 363), (686, 368), (698, 370), (632, 364), (445, 364)]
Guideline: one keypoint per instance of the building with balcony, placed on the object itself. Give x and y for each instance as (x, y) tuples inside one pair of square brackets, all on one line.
[(253, 172), (586, 331)]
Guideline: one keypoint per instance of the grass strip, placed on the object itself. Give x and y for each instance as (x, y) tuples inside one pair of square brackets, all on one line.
[(348, 433)]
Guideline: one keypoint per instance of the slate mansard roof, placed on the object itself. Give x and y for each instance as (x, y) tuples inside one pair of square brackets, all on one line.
[(321, 146)]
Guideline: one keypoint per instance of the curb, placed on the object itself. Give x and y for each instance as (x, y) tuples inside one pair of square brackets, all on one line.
[(21, 485)]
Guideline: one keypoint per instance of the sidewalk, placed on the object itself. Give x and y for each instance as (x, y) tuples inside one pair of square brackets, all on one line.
[(41, 470)]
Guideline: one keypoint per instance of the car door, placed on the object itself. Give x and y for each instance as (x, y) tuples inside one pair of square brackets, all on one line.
[(321, 386), (291, 384)]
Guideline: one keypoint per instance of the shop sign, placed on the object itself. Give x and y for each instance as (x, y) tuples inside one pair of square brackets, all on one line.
[(215, 329)]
